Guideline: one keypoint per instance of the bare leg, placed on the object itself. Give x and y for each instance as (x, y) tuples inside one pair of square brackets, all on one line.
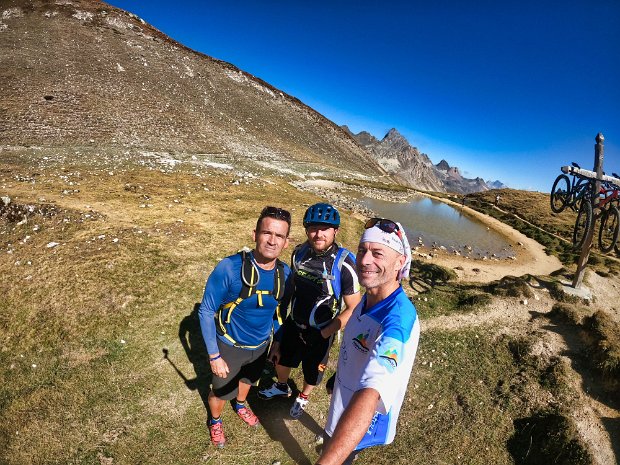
[(283, 373), (216, 405), (307, 389), (244, 388)]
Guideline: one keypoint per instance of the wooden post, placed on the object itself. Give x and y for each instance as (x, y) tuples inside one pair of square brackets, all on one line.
[(587, 243)]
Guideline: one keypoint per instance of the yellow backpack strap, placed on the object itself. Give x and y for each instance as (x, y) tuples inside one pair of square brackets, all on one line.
[(279, 285), (249, 275)]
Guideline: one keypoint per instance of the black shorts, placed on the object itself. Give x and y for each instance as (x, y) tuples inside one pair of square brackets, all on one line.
[(305, 346), (245, 365)]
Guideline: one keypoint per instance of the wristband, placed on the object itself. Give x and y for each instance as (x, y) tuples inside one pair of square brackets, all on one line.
[(215, 358)]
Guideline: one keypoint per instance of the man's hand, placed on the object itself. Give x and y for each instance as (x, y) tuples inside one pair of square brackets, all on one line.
[(219, 367)]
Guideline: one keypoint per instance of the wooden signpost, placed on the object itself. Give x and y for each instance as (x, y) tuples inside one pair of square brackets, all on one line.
[(587, 243)]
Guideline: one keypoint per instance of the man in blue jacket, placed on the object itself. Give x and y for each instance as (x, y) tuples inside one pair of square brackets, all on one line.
[(239, 313)]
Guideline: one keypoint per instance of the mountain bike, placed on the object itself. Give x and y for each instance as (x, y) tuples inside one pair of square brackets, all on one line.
[(583, 223), (610, 217), (567, 194)]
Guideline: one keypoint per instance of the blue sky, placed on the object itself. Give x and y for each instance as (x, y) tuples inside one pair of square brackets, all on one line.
[(504, 90)]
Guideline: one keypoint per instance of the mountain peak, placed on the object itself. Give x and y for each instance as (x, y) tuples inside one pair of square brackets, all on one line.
[(393, 134)]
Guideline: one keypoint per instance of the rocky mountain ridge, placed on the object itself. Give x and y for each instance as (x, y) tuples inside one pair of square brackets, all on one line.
[(415, 169)]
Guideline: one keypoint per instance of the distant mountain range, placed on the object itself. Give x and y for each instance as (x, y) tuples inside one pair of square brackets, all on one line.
[(412, 168), (83, 74)]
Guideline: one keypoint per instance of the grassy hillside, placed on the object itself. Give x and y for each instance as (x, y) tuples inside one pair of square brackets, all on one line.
[(102, 267)]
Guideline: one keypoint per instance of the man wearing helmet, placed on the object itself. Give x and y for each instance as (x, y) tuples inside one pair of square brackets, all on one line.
[(324, 278)]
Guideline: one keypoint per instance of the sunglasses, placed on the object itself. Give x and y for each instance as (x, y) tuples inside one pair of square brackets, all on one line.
[(385, 225), (277, 213)]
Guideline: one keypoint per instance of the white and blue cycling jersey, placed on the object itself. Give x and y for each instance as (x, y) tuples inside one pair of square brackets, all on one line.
[(378, 349)]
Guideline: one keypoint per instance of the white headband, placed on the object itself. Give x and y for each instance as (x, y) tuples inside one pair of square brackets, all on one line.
[(391, 240)]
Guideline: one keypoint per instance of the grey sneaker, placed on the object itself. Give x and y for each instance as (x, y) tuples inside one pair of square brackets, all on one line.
[(274, 391), (298, 407)]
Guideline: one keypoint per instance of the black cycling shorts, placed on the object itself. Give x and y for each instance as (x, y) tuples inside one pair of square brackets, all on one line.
[(245, 365), (305, 346)]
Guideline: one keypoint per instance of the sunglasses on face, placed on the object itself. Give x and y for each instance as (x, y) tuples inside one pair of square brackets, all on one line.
[(385, 225)]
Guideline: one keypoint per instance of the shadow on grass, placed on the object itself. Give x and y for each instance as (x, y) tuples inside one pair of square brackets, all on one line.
[(191, 339), (272, 414)]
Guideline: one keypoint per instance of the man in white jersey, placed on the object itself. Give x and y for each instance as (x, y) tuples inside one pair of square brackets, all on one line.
[(377, 351)]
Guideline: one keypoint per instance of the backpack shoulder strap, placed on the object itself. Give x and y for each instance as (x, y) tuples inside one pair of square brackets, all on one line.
[(298, 255), (341, 256), (279, 283), (249, 275)]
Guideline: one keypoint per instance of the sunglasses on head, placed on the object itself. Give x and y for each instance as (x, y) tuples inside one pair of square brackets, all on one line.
[(385, 225), (277, 213)]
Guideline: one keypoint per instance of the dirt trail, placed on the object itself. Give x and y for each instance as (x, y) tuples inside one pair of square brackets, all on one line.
[(597, 422)]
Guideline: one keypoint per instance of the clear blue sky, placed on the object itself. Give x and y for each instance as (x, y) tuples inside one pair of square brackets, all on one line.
[(504, 90)]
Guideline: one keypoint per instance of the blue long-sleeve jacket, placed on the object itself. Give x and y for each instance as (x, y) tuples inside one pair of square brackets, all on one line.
[(250, 324)]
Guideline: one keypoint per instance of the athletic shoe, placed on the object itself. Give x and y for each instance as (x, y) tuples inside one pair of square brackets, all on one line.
[(298, 407), (216, 431), (274, 391), (248, 416)]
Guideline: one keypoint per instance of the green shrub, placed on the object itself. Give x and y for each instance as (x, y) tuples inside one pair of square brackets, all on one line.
[(547, 437), (557, 293), (432, 274), (605, 333), (474, 300), (566, 313), (511, 286)]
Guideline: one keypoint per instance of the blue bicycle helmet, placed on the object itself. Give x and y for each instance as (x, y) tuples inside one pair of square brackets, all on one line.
[(322, 213)]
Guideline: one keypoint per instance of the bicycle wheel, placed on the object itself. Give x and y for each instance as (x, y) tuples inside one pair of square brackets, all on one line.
[(583, 223), (608, 232), (560, 192)]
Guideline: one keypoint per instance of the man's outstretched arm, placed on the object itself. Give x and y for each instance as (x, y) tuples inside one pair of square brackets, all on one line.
[(351, 427)]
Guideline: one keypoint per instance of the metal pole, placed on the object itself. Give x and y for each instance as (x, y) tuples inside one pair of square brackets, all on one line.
[(587, 244)]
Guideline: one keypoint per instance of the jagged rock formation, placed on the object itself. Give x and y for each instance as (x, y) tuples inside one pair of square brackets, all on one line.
[(401, 160), (453, 181), (81, 73), (415, 169), (496, 185)]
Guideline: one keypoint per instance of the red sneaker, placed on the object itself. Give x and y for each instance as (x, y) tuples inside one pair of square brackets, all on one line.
[(216, 431), (248, 416)]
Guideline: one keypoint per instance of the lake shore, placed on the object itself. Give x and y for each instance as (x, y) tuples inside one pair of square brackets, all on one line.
[(530, 256)]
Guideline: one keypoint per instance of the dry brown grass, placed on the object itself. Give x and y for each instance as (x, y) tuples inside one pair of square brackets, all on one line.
[(94, 313)]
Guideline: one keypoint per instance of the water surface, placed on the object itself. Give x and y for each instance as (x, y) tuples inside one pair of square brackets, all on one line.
[(429, 222)]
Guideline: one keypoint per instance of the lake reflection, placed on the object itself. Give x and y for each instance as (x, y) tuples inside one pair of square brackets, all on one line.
[(439, 224)]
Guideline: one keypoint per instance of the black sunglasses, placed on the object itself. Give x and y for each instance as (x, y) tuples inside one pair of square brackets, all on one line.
[(385, 225), (277, 213)]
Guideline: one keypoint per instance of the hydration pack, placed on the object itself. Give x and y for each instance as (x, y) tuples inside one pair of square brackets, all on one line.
[(332, 278), (249, 280)]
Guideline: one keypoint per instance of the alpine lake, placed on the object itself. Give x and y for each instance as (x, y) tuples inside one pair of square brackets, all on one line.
[(433, 224)]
